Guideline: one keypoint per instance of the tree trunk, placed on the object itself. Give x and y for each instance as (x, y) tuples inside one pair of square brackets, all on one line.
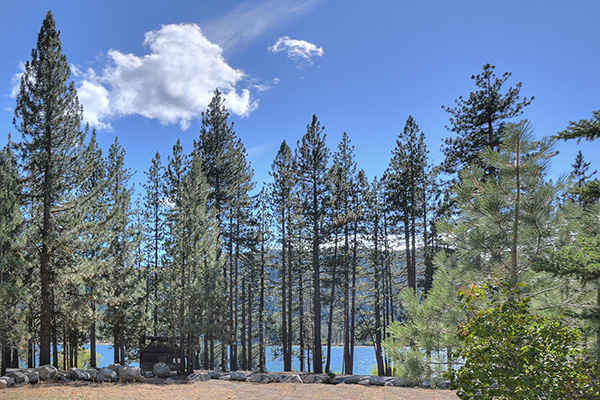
[(287, 364), (262, 362), (301, 312), (330, 322)]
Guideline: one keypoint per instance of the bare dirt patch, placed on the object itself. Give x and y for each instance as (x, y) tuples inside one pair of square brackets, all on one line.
[(219, 390)]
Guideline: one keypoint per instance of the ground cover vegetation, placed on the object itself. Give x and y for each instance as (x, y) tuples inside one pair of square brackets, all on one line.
[(320, 256)]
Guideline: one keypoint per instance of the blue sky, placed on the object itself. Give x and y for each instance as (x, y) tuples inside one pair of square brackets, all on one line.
[(146, 69)]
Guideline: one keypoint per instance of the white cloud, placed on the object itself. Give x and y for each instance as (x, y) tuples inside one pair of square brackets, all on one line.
[(298, 50), (174, 83), (248, 21)]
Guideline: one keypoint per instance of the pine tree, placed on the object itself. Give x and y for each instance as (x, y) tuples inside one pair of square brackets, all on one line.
[(11, 263), (584, 129), (406, 184), (506, 220), (283, 173), (49, 116), (312, 163), (125, 299), (343, 181), (479, 120), (153, 230), (230, 178)]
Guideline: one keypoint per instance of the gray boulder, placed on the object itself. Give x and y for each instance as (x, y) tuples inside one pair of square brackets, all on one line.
[(214, 374), (18, 376), (76, 374), (3, 384), (60, 377), (198, 377), (292, 379), (260, 378), (377, 381), (352, 379), (401, 382), (130, 374), (313, 378), (147, 374), (444, 385), (168, 381), (364, 381), (33, 375), (107, 375), (239, 376), (225, 377), (161, 370), (8, 380), (46, 372), (115, 367), (93, 373)]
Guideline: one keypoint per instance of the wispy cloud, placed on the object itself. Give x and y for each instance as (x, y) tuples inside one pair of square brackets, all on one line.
[(298, 50), (174, 83), (248, 21)]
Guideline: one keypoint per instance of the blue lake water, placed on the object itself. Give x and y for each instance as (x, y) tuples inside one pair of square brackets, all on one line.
[(364, 359)]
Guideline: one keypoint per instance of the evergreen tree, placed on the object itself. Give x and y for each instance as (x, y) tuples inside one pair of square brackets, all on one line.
[(11, 263), (49, 116), (584, 129), (507, 220), (479, 120), (312, 163), (125, 296), (230, 178), (153, 230), (406, 184), (283, 173)]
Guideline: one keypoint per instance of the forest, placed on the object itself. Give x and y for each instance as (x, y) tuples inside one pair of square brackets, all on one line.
[(480, 268)]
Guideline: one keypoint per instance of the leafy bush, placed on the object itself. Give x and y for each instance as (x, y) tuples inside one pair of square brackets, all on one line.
[(510, 353)]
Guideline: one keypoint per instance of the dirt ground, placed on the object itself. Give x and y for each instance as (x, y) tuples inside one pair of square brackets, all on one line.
[(219, 390)]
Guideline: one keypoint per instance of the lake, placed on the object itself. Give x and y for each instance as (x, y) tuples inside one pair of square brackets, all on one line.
[(364, 359)]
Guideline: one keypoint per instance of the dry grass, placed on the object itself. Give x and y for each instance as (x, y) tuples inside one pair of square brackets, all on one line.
[(218, 390)]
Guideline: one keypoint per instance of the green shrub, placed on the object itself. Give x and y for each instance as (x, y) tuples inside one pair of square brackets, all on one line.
[(510, 353)]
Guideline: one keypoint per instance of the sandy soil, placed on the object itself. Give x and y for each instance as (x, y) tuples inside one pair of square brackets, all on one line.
[(219, 390)]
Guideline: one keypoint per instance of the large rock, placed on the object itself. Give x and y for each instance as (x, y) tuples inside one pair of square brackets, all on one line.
[(239, 376), (46, 372), (115, 367), (402, 382), (9, 381), (33, 375), (3, 384), (293, 378), (260, 378), (225, 377), (444, 385), (76, 374), (352, 379), (314, 378), (161, 370), (130, 374), (107, 375), (60, 376), (198, 377), (214, 374), (93, 373), (147, 374), (377, 381), (18, 376)]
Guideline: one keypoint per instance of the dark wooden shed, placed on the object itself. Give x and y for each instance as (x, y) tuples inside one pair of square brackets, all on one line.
[(160, 350)]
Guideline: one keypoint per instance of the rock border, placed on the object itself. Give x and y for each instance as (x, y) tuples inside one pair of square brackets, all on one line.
[(118, 373)]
